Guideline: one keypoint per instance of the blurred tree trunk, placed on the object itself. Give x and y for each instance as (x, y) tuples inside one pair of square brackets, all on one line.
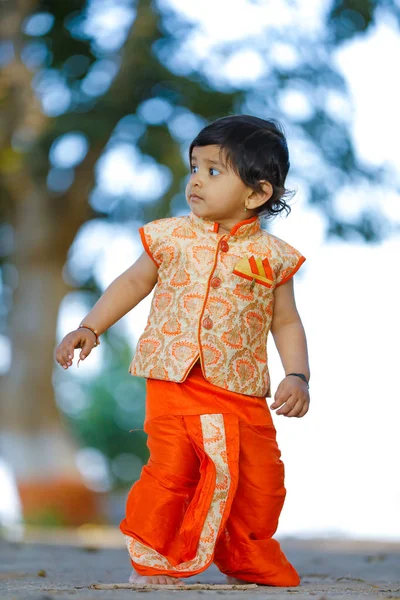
[(32, 436), (33, 439)]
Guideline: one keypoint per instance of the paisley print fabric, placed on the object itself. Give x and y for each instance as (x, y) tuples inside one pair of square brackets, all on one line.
[(213, 300)]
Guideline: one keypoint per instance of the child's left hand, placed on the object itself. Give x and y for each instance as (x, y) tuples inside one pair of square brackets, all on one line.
[(293, 393)]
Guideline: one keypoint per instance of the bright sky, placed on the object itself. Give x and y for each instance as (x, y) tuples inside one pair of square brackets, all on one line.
[(340, 459)]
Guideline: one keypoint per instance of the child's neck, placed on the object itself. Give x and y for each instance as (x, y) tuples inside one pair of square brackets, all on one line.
[(224, 228), (227, 226)]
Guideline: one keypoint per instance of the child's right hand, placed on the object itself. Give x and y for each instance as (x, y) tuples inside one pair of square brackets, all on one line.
[(80, 338)]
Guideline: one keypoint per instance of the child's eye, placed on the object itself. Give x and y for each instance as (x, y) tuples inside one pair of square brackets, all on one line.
[(195, 168)]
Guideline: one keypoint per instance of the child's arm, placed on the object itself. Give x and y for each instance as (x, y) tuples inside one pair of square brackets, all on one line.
[(123, 294), (290, 340)]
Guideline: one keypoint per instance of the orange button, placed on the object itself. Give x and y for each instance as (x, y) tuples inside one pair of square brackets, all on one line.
[(207, 323), (224, 246), (215, 282)]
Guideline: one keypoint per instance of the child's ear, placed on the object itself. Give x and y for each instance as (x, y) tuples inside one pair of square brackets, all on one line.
[(256, 199)]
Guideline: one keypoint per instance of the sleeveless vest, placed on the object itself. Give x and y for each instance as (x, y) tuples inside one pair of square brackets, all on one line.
[(214, 300)]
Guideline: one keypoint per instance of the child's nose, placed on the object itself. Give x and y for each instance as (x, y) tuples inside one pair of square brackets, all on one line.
[(196, 179)]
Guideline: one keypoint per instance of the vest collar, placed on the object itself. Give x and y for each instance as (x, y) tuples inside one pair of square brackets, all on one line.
[(242, 229)]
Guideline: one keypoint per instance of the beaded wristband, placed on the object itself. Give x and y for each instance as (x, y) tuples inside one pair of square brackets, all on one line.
[(303, 377), (96, 333)]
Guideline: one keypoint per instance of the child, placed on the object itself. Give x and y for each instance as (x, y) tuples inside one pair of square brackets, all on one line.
[(213, 488)]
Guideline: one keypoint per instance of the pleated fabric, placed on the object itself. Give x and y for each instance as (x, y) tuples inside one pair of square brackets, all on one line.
[(213, 488)]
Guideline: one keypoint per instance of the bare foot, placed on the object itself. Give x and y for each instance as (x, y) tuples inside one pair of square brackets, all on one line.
[(153, 579)]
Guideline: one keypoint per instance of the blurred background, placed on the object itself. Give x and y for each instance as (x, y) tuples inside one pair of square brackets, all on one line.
[(100, 100)]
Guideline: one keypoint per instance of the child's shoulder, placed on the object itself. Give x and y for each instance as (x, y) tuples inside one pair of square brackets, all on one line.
[(166, 224), (275, 243)]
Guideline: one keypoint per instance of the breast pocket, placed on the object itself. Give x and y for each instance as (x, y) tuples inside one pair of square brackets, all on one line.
[(256, 270)]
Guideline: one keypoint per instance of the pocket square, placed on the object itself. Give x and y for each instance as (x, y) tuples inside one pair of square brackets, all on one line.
[(255, 269)]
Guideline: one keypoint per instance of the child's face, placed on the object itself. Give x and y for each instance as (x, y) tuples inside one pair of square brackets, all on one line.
[(214, 192)]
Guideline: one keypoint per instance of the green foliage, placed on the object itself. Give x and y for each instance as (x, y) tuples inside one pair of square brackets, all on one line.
[(350, 17), (148, 69), (149, 65), (111, 419)]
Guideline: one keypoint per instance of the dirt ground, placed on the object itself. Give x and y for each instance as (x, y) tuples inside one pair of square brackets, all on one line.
[(40, 569)]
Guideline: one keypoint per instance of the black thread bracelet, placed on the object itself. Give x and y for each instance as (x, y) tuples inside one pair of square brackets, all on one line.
[(303, 377)]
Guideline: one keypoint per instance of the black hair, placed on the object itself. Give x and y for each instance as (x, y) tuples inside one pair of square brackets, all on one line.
[(256, 150)]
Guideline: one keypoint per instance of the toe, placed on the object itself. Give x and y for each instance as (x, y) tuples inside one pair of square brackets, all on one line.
[(136, 578)]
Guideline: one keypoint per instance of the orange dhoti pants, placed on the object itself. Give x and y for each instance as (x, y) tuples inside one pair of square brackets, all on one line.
[(213, 488)]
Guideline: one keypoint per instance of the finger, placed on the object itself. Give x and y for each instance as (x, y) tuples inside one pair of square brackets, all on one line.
[(70, 351), (290, 402), (279, 399), (61, 355), (68, 354), (56, 356), (304, 410), (296, 410), (276, 404), (86, 349), (64, 363), (66, 350)]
